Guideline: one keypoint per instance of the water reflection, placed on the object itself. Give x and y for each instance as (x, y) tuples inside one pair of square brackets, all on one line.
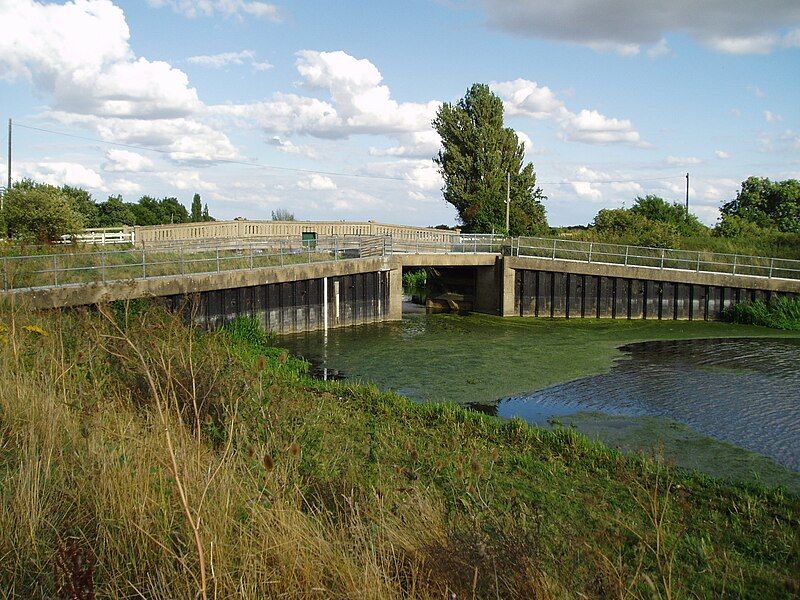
[(746, 392)]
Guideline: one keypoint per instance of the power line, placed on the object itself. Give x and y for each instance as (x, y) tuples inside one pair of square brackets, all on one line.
[(312, 171)]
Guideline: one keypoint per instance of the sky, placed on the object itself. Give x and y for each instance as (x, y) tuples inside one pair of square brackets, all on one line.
[(325, 108)]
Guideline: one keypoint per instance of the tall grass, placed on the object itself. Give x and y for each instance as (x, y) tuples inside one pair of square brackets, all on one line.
[(779, 313), (140, 457)]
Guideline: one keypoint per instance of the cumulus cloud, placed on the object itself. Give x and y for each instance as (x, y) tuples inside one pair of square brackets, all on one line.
[(289, 147), (623, 26), (317, 182), (124, 161), (228, 8), (522, 97), (125, 186), (78, 54), (187, 181), (721, 154), (61, 173), (660, 49)]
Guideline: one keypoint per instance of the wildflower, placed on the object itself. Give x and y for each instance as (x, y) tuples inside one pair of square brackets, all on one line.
[(35, 329)]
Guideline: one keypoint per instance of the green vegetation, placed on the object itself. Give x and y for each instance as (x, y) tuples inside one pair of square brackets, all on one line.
[(478, 155), (780, 313), (39, 214), (414, 282), (42, 213), (282, 214), (652, 221), (767, 204), (150, 459), (449, 362)]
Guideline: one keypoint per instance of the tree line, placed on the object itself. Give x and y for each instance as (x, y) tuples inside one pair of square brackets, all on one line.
[(40, 212)]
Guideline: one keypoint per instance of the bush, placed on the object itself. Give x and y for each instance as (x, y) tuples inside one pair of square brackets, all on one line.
[(781, 313), (39, 213)]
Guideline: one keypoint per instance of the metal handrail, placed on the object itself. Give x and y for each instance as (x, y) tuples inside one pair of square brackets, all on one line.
[(59, 269)]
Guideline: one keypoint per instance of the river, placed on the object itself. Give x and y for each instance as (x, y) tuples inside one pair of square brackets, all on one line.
[(693, 389)]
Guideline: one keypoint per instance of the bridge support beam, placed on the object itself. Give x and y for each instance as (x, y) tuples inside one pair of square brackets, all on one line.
[(395, 312), (508, 292)]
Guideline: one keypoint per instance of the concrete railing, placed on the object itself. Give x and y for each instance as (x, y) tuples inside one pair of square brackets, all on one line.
[(214, 231)]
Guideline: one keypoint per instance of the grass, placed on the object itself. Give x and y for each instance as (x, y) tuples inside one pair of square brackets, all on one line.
[(780, 313), (141, 457)]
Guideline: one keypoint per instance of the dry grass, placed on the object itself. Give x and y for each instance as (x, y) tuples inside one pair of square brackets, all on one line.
[(141, 458)]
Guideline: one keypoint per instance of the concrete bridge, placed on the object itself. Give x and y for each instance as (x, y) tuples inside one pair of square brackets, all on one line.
[(302, 282)]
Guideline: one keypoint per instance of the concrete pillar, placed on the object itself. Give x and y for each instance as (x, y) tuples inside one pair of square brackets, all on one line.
[(505, 277), (395, 312)]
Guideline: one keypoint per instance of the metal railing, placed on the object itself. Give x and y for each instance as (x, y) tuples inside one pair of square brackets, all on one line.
[(56, 269), (71, 267), (656, 258)]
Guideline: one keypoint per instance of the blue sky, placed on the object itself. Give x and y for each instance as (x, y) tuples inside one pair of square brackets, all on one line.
[(259, 105)]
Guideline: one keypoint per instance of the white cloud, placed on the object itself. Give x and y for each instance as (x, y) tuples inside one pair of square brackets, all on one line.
[(187, 180), (522, 97), (756, 91), (771, 117), (126, 161), (419, 144), (61, 173), (683, 161), (660, 49), (585, 190), (290, 147), (229, 8), (422, 175), (623, 50), (78, 54), (125, 186), (623, 26), (721, 154), (753, 44), (591, 127), (224, 59), (317, 182)]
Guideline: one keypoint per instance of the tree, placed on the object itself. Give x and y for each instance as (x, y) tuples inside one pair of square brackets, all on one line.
[(197, 209), (115, 213), (658, 210), (767, 204), (83, 202), (206, 215), (477, 154), (282, 214), (172, 211), (39, 213)]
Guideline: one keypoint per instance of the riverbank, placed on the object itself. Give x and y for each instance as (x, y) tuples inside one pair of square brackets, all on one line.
[(152, 459)]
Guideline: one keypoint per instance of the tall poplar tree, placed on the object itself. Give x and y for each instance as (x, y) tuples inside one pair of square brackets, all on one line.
[(477, 154), (197, 209)]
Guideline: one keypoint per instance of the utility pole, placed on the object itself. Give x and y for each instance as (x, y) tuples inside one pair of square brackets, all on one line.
[(8, 188), (687, 195), (508, 201)]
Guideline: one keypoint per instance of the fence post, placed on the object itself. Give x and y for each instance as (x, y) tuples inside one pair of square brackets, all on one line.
[(771, 263), (335, 248), (103, 266), (217, 260), (734, 264), (5, 273), (280, 248), (662, 257), (554, 249), (183, 262), (698, 261), (251, 256), (144, 264), (627, 249), (309, 251), (591, 247), (55, 269)]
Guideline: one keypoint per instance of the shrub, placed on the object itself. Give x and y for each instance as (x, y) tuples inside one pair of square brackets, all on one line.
[(780, 313), (39, 213)]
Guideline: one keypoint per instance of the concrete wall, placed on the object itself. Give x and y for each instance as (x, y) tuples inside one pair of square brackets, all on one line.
[(544, 293), (294, 306)]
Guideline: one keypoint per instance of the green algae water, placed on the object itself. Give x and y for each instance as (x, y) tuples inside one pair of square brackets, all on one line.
[(596, 376)]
